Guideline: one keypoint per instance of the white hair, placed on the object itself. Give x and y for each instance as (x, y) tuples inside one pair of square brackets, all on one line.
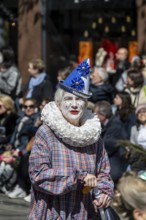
[(58, 96), (102, 73)]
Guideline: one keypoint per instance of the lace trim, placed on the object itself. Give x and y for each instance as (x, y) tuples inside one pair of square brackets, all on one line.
[(87, 134)]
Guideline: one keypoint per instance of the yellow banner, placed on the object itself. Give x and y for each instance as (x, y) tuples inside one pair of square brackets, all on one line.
[(85, 51), (133, 49)]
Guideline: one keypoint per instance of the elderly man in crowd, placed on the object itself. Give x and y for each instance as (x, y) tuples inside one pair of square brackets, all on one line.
[(100, 87)]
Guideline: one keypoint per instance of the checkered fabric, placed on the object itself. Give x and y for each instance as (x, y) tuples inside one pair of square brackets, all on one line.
[(56, 169)]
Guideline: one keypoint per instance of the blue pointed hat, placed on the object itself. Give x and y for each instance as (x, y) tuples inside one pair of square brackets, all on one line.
[(77, 82)]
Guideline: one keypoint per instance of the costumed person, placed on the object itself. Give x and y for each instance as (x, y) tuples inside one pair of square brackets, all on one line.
[(68, 164)]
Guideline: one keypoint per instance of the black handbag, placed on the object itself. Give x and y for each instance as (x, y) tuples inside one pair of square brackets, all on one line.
[(106, 214)]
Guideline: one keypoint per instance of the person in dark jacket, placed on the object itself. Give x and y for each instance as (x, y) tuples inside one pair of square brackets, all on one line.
[(99, 87), (16, 154), (24, 129), (112, 131), (39, 86), (23, 132), (122, 65), (125, 111)]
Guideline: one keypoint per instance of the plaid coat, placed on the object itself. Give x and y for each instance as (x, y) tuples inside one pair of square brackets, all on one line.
[(56, 169)]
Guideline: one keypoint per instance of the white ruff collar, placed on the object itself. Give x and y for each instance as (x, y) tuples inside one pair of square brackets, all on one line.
[(87, 134)]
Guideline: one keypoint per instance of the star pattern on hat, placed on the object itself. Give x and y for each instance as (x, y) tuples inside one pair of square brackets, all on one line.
[(77, 83), (83, 68), (78, 80)]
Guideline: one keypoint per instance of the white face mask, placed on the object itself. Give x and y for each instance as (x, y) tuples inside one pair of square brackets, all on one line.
[(72, 108)]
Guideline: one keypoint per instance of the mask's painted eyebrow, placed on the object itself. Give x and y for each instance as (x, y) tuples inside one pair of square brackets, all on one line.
[(78, 98), (67, 98), (71, 98)]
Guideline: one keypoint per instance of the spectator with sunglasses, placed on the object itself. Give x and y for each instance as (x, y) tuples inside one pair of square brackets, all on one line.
[(130, 196), (23, 132), (38, 123), (25, 124)]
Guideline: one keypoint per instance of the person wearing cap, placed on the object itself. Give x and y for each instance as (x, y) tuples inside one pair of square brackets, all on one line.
[(68, 165), (138, 137)]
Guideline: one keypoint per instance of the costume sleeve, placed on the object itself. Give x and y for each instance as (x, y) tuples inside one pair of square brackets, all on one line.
[(46, 179), (105, 183)]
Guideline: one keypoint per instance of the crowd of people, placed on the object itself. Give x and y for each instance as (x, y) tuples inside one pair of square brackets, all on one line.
[(60, 148)]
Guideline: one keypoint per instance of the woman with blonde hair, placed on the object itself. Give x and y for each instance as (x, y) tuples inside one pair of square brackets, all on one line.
[(8, 103), (130, 196), (7, 120)]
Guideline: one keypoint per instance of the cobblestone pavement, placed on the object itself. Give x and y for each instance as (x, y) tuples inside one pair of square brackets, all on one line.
[(13, 209)]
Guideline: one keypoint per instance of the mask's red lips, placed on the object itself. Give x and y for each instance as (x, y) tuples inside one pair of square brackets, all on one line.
[(74, 112)]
